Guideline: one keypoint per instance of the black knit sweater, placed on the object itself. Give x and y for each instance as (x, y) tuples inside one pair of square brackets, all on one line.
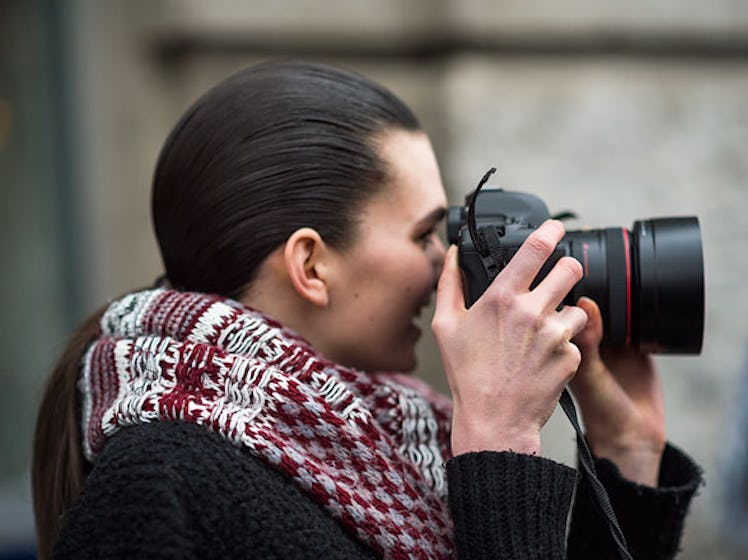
[(172, 490), (507, 505)]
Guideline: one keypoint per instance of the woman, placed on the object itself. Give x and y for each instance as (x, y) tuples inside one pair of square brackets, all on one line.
[(241, 409)]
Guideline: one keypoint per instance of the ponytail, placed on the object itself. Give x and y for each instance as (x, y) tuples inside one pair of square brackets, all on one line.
[(58, 465)]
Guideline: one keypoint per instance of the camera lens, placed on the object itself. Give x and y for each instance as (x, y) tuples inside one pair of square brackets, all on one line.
[(649, 282), (669, 296)]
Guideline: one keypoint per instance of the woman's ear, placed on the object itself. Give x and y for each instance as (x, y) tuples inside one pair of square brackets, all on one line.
[(304, 256)]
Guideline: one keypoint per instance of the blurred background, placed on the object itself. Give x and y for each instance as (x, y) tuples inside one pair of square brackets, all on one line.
[(617, 111)]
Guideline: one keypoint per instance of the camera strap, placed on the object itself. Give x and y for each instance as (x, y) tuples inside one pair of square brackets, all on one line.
[(487, 239), (493, 256), (496, 258), (588, 471)]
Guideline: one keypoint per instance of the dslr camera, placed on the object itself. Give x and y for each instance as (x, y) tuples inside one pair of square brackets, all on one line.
[(648, 281)]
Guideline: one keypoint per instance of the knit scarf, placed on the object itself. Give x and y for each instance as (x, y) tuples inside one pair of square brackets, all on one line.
[(370, 448)]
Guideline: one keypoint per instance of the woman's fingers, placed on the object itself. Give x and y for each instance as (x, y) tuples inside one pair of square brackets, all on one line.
[(520, 272), (559, 282)]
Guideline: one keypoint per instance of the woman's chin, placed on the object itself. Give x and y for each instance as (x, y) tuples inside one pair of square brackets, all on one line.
[(401, 360), (407, 360)]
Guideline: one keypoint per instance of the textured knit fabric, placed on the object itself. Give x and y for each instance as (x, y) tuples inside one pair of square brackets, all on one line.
[(525, 498), (510, 506), (178, 491), (175, 490), (365, 446), (651, 518), (216, 433)]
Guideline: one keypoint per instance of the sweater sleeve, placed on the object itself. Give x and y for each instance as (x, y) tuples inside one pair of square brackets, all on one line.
[(651, 519), (509, 506)]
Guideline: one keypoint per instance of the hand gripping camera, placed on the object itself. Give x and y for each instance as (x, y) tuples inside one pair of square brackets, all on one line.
[(648, 281)]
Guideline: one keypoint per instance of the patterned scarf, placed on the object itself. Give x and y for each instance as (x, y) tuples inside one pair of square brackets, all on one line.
[(370, 448)]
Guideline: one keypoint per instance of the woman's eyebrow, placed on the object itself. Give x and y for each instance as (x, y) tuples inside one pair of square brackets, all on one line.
[(433, 217)]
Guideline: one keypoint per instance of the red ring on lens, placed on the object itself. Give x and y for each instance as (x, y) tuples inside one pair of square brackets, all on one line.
[(627, 253)]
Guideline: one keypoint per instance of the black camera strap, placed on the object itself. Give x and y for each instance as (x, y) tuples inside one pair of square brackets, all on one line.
[(478, 239), (487, 239), (493, 256), (588, 471)]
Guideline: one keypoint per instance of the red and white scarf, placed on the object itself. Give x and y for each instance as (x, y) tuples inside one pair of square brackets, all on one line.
[(369, 447)]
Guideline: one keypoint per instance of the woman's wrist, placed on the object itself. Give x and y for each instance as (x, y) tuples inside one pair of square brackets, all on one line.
[(639, 464), (471, 435)]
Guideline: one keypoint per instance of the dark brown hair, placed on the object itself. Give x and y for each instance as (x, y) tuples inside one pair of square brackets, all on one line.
[(271, 149), (58, 466)]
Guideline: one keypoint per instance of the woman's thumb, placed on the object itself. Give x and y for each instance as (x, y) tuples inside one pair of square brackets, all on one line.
[(449, 296), (589, 339)]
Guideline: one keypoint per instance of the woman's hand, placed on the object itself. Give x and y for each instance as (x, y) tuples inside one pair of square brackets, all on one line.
[(621, 402), (509, 356)]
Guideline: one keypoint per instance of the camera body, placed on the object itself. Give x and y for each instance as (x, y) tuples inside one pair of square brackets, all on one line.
[(513, 215), (648, 281)]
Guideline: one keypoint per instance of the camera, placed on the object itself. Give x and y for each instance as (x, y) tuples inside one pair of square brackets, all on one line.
[(647, 281)]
